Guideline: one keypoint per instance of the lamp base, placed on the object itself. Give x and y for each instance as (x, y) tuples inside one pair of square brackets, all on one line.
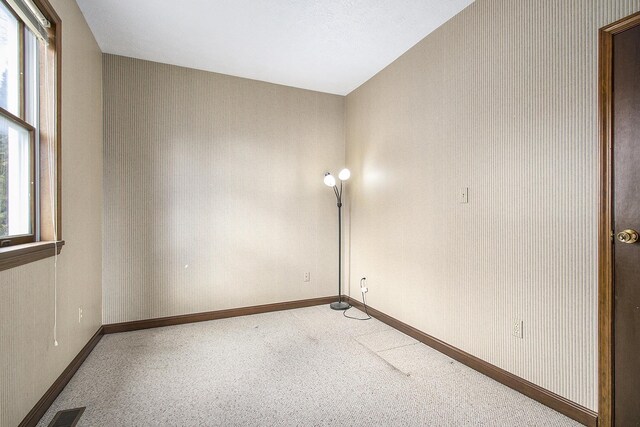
[(339, 305)]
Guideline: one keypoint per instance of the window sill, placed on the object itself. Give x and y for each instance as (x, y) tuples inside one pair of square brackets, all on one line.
[(15, 256)]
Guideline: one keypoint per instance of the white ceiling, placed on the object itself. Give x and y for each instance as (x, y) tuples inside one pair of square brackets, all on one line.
[(326, 45)]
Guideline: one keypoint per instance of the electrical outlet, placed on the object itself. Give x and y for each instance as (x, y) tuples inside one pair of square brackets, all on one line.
[(463, 195), (79, 315), (517, 329), (307, 277)]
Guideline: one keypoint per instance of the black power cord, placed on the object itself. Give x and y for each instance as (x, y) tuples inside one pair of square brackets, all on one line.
[(363, 290)]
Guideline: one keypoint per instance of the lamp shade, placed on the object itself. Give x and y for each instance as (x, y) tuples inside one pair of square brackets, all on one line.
[(329, 180), (344, 174)]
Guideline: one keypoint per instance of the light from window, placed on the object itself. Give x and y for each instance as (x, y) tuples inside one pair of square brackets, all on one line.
[(19, 111), (16, 198), (9, 61)]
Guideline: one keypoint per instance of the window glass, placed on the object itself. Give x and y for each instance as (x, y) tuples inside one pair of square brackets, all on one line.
[(16, 189), (9, 61), (31, 78)]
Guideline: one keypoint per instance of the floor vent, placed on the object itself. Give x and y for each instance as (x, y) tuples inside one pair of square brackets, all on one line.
[(67, 418)]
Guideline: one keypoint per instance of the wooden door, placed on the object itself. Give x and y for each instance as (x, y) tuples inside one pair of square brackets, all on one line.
[(626, 224), (619, 252)]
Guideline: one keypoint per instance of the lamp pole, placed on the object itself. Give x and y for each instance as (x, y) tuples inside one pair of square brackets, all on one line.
[(331, 182), (340, 246)]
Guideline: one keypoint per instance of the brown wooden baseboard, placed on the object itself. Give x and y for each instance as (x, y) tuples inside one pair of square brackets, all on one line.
[(213, 315), (546, 397), (33, 417)]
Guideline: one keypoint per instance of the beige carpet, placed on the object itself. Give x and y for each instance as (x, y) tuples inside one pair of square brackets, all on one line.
[(305, 367)]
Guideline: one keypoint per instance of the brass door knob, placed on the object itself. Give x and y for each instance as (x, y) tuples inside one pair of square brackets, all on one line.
[(628, 236)]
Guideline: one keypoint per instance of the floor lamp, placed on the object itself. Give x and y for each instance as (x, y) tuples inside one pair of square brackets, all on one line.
[(330, 181)]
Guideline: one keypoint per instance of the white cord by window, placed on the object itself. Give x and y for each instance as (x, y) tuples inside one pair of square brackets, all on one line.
[(52, 194)]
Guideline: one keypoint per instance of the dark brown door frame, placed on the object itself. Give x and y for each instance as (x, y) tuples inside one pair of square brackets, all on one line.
[(605, 234)]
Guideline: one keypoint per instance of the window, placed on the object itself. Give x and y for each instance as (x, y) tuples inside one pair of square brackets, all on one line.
[(29, 131), (17, 131)]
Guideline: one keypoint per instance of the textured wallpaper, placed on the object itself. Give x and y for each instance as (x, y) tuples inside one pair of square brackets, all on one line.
[(29, 362), (213, 191), (502, 99)]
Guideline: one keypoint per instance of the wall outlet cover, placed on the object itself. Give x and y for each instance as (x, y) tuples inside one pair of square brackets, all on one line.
[(463, 195), (517, 329)]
